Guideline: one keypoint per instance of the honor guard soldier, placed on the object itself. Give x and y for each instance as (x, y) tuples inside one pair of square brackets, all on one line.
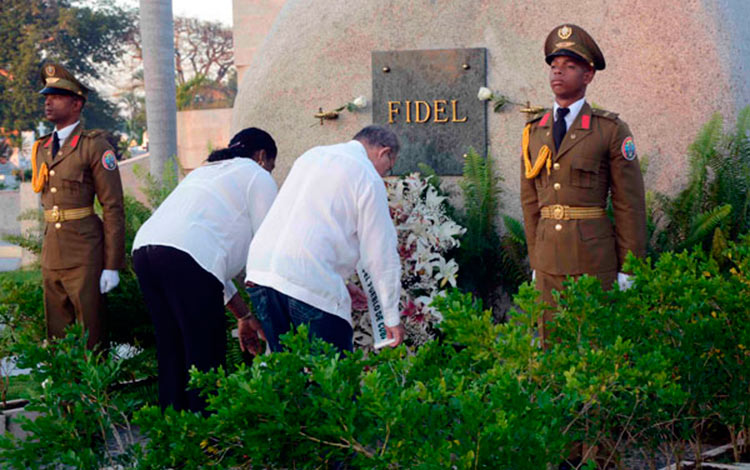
[(81, 253), (573, 158)]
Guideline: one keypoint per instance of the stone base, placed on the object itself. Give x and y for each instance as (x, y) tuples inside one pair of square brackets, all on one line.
[(9, 418)]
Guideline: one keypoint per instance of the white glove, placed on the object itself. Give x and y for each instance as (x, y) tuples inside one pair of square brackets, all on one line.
[(625, 281), (108, 281)]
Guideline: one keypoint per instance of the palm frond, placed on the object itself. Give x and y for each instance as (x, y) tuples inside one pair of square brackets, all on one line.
[(705, 223), (514, 230)]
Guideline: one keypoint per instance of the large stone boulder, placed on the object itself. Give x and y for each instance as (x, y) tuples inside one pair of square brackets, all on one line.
[(670, 66)]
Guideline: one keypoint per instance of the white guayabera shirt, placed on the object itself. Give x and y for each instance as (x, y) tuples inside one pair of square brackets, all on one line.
[(331, 213), (212, 215)]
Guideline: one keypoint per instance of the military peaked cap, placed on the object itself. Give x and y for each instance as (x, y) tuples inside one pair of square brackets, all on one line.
[(573, 41), (58, 81)]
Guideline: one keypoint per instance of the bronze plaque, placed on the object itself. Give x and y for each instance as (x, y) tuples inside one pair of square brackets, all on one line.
[(429, 98)]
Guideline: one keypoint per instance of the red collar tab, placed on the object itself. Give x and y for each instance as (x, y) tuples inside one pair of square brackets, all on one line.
[(586, 121), (544, 120), (49, 141), (74, 140)]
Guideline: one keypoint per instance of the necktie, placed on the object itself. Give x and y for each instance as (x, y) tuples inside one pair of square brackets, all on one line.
[(55, 144), (559, 127)]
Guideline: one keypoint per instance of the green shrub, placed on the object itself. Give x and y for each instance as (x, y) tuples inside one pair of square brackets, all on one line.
[(646, 368), (685, 326), (84, 410), (127, 318), (306, 406), (21, 313)]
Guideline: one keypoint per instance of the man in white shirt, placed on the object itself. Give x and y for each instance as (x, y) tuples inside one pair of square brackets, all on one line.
[(331, 214)]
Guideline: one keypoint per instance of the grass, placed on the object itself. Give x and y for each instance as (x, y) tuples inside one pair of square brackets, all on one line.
[(22, 386), (20, 275)]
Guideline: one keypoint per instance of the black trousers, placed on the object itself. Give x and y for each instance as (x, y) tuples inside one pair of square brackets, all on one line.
[(186, 304)]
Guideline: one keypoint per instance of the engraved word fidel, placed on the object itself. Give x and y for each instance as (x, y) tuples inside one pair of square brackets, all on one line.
[(421, 112)]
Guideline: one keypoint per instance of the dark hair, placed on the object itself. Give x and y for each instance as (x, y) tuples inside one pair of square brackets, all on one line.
[(244, 144), (379, 136)]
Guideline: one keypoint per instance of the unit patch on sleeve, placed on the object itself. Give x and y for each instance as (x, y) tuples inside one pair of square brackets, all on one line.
[(109, 161), (628, 149)]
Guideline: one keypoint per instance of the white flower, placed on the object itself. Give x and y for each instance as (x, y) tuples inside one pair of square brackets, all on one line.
[(484, 94), (46, 383), (360, 102), (433, 199), (447, 272)]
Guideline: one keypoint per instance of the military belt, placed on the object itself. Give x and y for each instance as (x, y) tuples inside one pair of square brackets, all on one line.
[(58, 215), (560, 212)]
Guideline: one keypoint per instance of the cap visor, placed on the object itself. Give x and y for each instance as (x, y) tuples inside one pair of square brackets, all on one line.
[(57, 91), (566, 53)]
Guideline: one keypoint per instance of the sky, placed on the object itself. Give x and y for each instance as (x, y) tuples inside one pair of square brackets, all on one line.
[(211, 10)]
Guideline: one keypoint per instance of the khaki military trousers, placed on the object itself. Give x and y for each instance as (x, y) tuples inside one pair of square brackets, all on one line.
[(73, 296), (546, 283)]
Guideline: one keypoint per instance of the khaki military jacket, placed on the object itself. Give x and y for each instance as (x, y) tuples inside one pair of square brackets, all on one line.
[(596, 158), (84, 167)]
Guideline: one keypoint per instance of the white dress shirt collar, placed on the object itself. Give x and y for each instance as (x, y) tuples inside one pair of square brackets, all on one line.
[(65, 132), (574, 108)]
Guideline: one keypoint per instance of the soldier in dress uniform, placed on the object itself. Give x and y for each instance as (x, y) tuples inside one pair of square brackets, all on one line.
[(573, 158), (81, 253)]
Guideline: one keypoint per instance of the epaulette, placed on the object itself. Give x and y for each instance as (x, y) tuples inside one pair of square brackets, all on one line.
[(44, 136), (93, 133), (537, 116), (604, 113)]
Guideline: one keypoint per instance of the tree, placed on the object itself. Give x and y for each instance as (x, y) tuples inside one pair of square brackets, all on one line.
[(202, 48), (159, 74), (80, 37)]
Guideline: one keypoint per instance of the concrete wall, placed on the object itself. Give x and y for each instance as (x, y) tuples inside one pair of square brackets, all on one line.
[(132, 184), (200, 130), (12, 204), (669, 68), (10, 207)]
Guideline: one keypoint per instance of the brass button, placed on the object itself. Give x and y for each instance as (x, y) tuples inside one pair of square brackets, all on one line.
[(557, 186), (53, 190), (572, 136), (547, 133), (556, 166), (558, 227), (52, 172), (54, 208), (58, 225)]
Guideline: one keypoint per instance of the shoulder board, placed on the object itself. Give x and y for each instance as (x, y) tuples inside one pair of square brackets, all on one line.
[(93, 133), (537, 116), (604, 113)]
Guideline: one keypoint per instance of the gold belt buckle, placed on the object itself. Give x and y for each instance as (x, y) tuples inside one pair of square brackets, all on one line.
[(55, 214), (558, 211)]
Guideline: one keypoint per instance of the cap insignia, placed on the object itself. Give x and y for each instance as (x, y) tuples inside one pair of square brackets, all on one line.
[(564, 44), (51, 80), (565, 32), (50, 69)]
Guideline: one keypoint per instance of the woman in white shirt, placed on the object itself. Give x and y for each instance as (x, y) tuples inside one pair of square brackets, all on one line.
[(186, 254)]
